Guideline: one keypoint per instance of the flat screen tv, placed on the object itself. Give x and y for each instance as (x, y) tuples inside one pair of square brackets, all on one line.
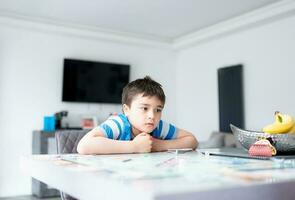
[(96, 82)]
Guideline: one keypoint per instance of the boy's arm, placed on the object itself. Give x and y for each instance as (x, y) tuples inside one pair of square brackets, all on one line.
[(184, 139), (94, 142)]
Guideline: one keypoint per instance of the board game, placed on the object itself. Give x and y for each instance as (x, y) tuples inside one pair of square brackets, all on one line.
[(166, 170)]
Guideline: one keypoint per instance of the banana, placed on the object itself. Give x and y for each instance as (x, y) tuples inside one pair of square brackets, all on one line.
[(283, 124), (292, 130)]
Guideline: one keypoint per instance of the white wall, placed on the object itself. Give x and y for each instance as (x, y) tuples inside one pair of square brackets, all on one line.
[(31, 65), (267, 53)]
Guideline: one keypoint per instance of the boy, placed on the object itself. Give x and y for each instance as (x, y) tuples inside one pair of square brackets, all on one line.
[(140, 128)]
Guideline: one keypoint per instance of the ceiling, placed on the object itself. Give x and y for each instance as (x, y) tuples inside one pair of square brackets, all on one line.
[(167, 19)]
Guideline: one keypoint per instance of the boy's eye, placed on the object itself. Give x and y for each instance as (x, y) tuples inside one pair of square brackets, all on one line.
[(144, 108), (159, 110)]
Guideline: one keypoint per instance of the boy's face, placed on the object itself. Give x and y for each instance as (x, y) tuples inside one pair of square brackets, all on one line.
[(144, 113)]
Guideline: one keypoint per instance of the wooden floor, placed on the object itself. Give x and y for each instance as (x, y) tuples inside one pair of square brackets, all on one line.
[(28, 197)]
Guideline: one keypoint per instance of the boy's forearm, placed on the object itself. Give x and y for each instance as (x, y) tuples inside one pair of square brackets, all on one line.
[(102, 145), (178, 143)]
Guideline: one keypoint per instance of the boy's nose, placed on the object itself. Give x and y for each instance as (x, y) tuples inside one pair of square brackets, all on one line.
[(151, 115)]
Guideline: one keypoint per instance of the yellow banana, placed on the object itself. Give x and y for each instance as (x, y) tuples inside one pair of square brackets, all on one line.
[(283, 124)]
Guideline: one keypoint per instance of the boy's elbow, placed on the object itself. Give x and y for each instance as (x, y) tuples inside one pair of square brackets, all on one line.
[(82, 148), (195, 142)]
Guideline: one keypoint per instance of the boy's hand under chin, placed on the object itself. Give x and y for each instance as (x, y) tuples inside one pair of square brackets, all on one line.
[(142, 143)]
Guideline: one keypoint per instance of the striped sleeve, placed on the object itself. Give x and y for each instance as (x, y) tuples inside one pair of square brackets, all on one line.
[(112, 127), (166, 131)]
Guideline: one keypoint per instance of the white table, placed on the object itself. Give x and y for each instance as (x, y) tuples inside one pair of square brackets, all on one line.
[(163, 176)]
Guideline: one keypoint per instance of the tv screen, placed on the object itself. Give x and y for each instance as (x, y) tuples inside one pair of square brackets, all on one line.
[(88, 81)]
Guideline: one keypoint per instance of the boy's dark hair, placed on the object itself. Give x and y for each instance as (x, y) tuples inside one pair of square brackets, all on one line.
[(146, 85)]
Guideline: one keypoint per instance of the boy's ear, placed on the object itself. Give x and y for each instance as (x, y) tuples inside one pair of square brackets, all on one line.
[(126, 109)]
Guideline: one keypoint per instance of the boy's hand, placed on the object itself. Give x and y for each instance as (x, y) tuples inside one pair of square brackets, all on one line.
[(142, 143), (158, 145)]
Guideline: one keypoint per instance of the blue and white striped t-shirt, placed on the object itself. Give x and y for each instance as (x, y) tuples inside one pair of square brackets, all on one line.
[(118, 127)]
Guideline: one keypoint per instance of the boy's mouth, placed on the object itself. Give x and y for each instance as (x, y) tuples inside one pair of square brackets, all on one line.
[(150, 124)]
